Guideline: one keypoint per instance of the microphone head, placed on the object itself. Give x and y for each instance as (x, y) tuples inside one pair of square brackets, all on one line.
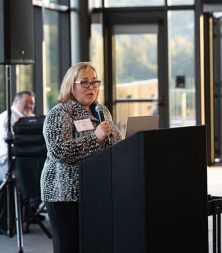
[(99, 108)]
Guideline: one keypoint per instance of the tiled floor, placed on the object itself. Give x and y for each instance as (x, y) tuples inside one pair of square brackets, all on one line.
[(34, 242), (37, 242), (215, 180), (215, 189)]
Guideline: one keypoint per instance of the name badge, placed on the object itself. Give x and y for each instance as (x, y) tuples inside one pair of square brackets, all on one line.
[(83, 125)]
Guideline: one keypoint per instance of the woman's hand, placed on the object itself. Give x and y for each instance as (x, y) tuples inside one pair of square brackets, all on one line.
[(102, 130)]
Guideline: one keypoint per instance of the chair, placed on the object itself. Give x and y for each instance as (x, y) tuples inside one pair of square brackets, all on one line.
[(29, 152)]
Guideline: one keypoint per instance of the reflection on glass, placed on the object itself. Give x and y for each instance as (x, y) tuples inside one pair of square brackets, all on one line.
[(136, 76), (96, 55), (24, 77), (145, 89), (2, 88), (52, 1), (136, 3), (50, 59), (181, 63), (95, 4), (180, 2), (74, 3)]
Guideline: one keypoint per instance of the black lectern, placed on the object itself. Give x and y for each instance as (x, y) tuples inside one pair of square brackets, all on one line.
[(146, 194)]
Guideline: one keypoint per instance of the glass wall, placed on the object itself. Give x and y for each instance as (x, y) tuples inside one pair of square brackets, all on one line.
[(74, 3), (96, 55), (52, 1), (180, 2), (24, 81), (181, 68), (50, 58), (95, 4), (24, 77), (135, 67), (136, 3), (181, 55), (51, 40)]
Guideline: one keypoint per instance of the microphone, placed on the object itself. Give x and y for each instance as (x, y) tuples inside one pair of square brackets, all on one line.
[(100, 112)]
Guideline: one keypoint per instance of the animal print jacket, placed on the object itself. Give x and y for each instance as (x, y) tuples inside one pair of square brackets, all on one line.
[(66, 146)]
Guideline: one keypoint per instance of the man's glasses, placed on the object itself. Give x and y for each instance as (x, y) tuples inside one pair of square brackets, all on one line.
[(87, 84)]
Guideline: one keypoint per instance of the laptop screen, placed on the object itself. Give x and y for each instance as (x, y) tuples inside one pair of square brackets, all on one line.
[(141, 123)]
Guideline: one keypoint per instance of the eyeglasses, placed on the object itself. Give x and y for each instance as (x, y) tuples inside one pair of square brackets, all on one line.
[(87, 84)]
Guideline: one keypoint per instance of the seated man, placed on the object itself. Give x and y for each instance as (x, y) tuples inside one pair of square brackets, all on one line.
[(23, 106)]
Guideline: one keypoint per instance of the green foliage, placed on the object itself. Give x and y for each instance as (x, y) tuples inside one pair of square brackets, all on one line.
[(182, 56), (181, 43), (24, 77), (52, 97), (51, 34), (136, 57)]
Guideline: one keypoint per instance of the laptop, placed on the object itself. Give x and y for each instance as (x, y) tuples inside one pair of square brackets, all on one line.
[(141, 123)]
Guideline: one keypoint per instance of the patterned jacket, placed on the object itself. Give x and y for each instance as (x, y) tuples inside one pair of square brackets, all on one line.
[(66, 146)]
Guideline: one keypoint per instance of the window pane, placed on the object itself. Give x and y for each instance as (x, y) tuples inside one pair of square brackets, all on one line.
[(24, 77), (52, 1), (180, 2), (126, 3), (135, 71), (145, 89), (95, 4), (2, 88), (96, 55), (50, 59), (181, 68), (136, 67), (74, 3)]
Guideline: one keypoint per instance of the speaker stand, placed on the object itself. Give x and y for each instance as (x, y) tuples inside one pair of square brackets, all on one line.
[(10, 181)]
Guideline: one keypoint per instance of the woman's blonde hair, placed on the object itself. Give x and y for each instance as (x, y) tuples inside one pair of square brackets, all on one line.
[(69, 79)]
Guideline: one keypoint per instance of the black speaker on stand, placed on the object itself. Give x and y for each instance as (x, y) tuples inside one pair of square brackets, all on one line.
[(16, 47), (16, 32)]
